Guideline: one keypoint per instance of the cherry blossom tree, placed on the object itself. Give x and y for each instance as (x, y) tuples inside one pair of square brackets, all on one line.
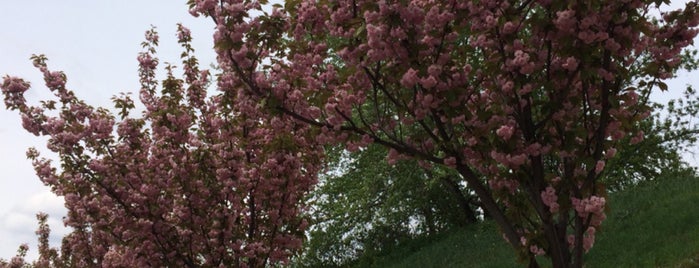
[(526, 100), (195, 181)]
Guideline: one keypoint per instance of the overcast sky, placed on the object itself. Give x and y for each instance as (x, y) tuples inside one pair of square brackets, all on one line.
[(95, 43)]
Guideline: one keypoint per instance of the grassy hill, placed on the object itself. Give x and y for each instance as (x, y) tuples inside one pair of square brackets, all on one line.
[(655, 224)]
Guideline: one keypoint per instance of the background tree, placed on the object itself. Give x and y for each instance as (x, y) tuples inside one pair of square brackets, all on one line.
[(524, 99), (669, 132), (193, 182), (363, 206)]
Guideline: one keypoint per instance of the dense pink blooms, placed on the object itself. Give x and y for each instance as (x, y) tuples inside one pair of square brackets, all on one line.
[(550, 199), (505, 132), (570, 64), (591, 207), (13, 88), (523, 100), (147, 61), (410, 78), (186, 184)]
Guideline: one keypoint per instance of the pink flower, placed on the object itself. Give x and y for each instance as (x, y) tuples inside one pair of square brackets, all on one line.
[(521, 58), (54, 80), (549, 198), (146, 61), (638, 138), (409, 78), (565, 20), (536, 250), (428, 101), (183, 33), (599, 167), (450, 161), (591, 206), (570, 64), (507, 87), (428, 82), (589, 238), (517, 160), (11, 84), (505, 132), (509, 27)]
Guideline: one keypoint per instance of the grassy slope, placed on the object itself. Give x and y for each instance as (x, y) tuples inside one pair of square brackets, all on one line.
[(651, 225)]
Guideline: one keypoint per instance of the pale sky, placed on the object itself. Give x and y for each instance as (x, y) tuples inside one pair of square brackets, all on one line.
[(95, 43)]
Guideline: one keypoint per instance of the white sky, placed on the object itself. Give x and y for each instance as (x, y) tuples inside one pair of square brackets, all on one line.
[(95, 43)]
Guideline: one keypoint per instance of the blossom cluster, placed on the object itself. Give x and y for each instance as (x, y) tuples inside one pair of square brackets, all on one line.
[(194, 181), (524, 100)]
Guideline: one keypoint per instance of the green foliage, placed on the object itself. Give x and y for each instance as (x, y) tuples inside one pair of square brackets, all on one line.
[(667, 134), (652, 224), (364, 206)]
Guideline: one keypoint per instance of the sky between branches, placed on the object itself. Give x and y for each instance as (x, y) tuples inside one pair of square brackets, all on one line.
[(95, 43)]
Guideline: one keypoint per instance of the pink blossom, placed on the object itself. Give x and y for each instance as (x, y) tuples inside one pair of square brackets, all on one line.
[(509, 27), (434, 70), (11, 84), (508, 86), (550, 198), (428, 101), (593, 205), (13, 88), (450, 161), (399, 74), (517, 160), (54, 80), (599, 166), (146, 61), (565, 20), (505, 132), (521, 58), (637, 138), (589, 238), (183, 33), (536, 250), (428, 82), (570, 64), (409, 79)]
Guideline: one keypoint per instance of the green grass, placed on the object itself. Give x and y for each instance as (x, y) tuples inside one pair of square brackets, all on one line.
[(454, 249), (655, 224)]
